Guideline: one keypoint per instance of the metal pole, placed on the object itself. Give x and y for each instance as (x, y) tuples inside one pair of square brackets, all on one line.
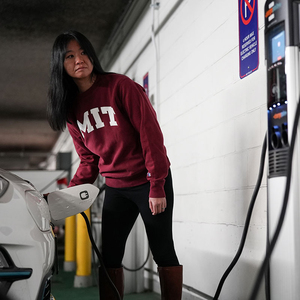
[(83, 276), (70, 244)]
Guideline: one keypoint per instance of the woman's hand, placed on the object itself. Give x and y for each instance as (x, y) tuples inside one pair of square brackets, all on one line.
[(157, 205)]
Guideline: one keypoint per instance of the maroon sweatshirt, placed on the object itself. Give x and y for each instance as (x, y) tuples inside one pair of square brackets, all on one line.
[(115, 131)]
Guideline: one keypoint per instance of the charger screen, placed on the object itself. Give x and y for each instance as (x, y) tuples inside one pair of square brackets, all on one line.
[(278, 47)]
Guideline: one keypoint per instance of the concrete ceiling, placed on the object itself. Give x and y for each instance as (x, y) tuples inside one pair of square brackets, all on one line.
[(28, 29)]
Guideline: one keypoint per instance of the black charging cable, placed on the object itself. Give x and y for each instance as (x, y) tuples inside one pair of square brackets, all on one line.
[(139, 268), (270, 249), (248, 218), (99, 255)]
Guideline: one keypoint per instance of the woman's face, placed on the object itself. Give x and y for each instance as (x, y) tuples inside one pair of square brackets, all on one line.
[(76, 63)]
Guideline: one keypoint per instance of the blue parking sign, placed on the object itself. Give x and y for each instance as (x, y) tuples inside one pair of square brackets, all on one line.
[(248, 37)]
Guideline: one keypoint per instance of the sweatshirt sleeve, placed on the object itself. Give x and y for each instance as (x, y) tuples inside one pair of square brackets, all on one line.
[(87, 171), (143, 118)]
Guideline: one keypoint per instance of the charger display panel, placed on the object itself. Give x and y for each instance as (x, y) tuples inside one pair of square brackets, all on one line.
[(278, 47), (277, 100), (276, 63)]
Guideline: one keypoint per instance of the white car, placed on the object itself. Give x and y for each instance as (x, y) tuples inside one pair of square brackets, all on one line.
[(27, 241)]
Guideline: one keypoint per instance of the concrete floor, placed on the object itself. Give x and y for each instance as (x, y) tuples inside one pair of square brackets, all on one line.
[(63, 289)]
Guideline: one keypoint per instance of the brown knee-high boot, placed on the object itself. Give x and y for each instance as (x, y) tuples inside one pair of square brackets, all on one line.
[(106, 290), (170, 282)]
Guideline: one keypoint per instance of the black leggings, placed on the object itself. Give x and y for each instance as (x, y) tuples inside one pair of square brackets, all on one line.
[(120, 210)]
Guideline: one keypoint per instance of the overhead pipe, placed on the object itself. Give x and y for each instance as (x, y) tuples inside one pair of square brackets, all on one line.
[(155, 6)]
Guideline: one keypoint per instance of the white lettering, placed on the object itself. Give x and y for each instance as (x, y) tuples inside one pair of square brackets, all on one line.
[(111, 114), (248, 54), (86, 126), (95, 113)]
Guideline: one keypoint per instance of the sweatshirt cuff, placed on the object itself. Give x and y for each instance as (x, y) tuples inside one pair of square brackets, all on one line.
[(157, 189)]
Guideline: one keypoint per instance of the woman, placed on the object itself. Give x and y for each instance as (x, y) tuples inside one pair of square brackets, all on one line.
[(115, 132)]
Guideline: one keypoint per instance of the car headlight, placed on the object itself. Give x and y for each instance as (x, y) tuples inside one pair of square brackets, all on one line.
[(39, 209), (3, 186)]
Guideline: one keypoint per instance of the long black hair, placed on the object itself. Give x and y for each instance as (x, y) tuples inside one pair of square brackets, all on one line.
[(62, 89)]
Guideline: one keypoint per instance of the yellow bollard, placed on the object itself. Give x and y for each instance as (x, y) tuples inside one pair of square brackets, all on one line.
[(70, 244), (83, 276)]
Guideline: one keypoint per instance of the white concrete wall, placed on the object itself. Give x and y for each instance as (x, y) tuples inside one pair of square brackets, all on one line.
[(214, 125)]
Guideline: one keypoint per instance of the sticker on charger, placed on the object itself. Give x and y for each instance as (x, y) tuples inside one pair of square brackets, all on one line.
[(84, 195), (280, 115)]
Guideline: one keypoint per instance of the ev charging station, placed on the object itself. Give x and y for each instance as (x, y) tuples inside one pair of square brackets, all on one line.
[(283, 92)]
